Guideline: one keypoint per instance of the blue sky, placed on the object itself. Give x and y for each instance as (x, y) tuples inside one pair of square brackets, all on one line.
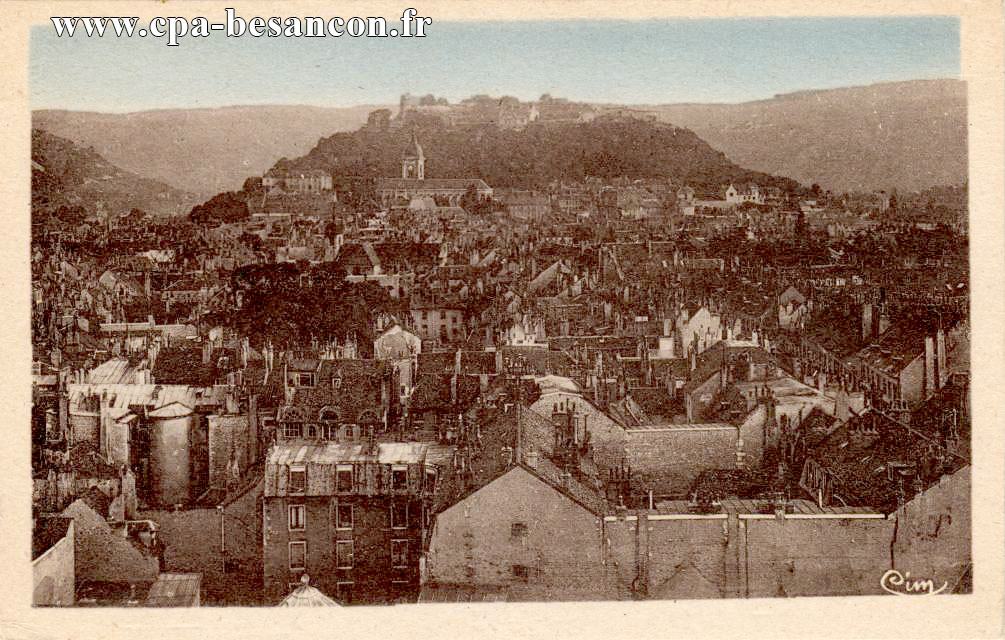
[(652, 61)]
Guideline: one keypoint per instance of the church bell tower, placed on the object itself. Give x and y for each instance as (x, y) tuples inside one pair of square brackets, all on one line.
[(413, 165)]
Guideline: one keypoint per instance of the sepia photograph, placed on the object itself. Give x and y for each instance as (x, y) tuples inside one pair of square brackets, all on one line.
[(332, 306)]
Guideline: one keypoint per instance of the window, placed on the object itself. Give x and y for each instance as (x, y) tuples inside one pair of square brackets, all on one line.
[(291, 430), (399, 478), (303, 379), (518, 530), (298, 479), (430, 479), (298, 555), (343, 592), (343, 516), (399, 554), (343, 478), (521, 571), (329, 431), (297, 516), (343, 554), (399, 515)]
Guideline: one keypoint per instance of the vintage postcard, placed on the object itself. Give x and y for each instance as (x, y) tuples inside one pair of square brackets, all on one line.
[(504, 319)]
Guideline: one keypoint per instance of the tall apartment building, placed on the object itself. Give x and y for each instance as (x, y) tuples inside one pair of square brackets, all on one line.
[(352, 515)]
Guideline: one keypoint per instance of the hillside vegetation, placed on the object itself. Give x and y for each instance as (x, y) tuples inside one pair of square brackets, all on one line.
[(907, 136)]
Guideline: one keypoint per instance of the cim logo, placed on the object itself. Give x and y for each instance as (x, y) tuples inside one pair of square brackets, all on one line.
[(902, 584)]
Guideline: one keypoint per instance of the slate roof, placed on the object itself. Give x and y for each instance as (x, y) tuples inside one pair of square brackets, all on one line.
[(432, 392), (175, 590), (899, 345), (712, 485), (358, 390), (657, 402), (113, 371), (860, 465)]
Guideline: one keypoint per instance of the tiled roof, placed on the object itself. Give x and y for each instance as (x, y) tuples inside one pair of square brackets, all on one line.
[(585, 496), (433, 362), (102, 556), (860, 465), (541, 361), (183, 365)]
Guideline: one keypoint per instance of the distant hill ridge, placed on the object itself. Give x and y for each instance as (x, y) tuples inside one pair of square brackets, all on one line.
[(904, 135), (65, 174), (203, 150)]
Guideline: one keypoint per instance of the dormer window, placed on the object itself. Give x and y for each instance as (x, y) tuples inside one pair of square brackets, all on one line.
[(303, 379)]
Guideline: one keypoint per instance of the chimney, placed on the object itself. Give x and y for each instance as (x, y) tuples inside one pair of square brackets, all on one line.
[(867, 322), (929, 366), (530, 459), (883, 323), (940, 351)]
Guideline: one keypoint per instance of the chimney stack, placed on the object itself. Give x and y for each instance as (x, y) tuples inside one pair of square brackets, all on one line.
[(867, 322), (940, 350), (929, 366), (530, 459)]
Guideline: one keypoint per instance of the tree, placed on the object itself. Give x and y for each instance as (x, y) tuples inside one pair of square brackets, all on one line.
[(252, 185), (222, 208)]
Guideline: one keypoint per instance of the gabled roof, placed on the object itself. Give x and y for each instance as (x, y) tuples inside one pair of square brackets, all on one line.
[(102, 556), (173, 410), (791, 295), (861, 455)]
